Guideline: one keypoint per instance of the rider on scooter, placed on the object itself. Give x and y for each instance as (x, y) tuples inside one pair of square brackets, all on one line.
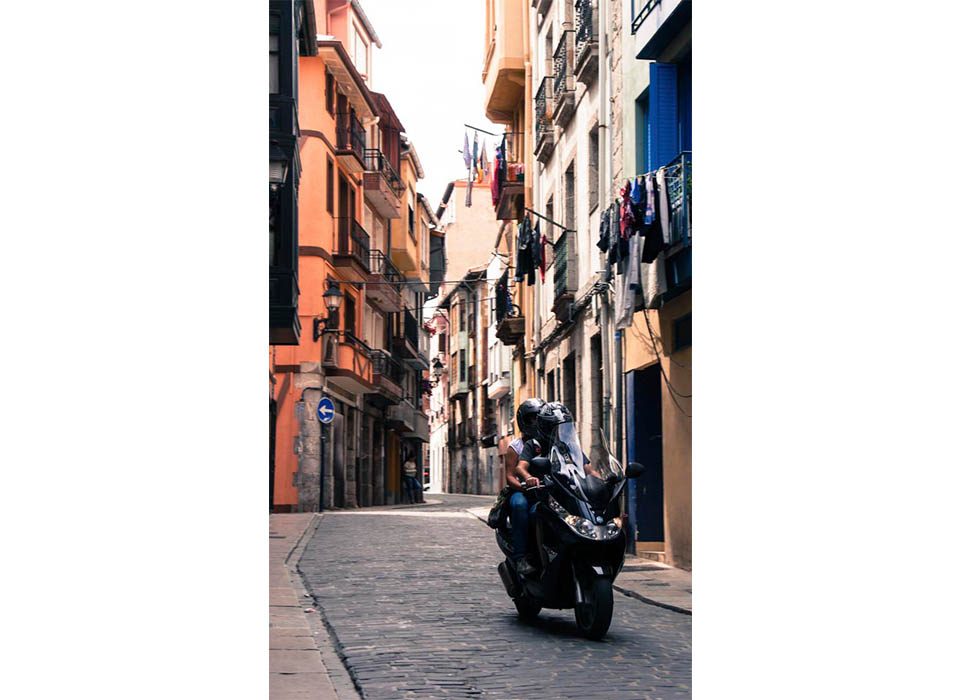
[(519, 478)]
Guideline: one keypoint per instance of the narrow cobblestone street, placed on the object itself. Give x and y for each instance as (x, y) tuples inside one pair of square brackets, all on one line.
[(414, 602)]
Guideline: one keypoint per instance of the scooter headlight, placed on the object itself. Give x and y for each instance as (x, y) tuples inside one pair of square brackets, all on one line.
[(584, 527)]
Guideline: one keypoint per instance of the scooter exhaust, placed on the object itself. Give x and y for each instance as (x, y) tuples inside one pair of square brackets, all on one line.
[(508, 581)]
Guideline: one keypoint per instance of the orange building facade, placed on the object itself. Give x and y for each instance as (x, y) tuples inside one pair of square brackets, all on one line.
[(360, 234)]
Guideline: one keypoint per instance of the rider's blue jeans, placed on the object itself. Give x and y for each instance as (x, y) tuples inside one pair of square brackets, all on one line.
[(519, 512)]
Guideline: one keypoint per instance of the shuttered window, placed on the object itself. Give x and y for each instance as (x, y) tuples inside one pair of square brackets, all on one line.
[(662, 126)]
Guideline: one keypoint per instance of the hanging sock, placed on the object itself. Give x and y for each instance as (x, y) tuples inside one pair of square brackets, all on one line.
[(650, 213)]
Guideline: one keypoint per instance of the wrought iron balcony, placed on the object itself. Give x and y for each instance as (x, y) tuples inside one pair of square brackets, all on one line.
[(639, 11), (353, 245), (385, 289), (388, 376), (408, 345), (382, 186), (351, 142), (564, 85), (543, 106), (564, 270), (586, 44), (679, 177)]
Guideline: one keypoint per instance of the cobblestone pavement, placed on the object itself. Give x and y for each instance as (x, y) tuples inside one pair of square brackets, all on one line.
[(415, 604)]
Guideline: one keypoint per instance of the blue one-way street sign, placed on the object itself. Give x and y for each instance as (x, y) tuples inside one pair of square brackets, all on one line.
[(325, 410)]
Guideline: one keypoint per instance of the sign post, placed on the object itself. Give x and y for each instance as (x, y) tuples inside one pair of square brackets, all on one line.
[(326, 412)]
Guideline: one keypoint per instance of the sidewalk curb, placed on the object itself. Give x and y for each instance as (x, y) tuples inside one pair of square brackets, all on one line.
[(344, 683), (650, 601)]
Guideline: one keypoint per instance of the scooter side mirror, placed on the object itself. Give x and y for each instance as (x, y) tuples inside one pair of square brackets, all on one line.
[(539, 466), (635, 469)]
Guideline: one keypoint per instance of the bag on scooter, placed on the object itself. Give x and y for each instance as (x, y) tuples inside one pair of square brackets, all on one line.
[(497, 517)]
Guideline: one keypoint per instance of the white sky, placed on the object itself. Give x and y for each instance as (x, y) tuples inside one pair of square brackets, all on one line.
[(429, 68)]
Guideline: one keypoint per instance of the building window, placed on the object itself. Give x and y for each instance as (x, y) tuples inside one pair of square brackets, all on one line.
[(552, 385), (682, 332), (349, 314), (570, 197), (570, 383), (442, 343), (331, 89), (359, 52), (463, 366), (642, 114), (593, 170), (329, 186), (274, 63), (410, 220)]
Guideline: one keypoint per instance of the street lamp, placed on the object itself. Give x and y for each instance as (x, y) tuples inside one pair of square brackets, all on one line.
[(278, 173), (332, 298)]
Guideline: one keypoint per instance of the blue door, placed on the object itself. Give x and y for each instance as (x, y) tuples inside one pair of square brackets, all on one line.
[(645, 445)]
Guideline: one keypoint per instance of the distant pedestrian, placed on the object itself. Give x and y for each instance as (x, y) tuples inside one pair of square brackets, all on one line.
[(410, 484)]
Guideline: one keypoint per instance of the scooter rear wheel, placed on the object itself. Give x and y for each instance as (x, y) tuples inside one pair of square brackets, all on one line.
[(526, 608), (596, 611)]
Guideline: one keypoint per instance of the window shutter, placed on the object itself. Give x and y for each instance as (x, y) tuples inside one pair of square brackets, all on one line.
[(662, 146)]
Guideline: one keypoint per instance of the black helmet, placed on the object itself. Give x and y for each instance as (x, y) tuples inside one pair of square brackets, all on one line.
[(527, 416), (551, 415)]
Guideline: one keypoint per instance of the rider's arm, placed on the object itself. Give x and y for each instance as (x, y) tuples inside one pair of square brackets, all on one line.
[(524, 475), (511, 461)]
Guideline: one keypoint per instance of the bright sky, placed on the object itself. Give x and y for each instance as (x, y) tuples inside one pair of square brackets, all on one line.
[(429, 68)]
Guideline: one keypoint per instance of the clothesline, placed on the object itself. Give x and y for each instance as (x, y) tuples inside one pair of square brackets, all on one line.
[(551, 221), (475, 128)]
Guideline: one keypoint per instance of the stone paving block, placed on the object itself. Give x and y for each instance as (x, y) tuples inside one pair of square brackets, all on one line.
[(415, 616)]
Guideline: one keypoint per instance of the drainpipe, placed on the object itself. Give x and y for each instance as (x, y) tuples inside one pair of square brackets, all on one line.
[(603, 179)]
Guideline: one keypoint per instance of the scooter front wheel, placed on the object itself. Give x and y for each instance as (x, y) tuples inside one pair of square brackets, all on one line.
[(527, 609), (596, 611)]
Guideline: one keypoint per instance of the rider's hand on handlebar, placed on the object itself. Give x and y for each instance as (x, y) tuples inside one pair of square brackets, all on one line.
[(531, 482)]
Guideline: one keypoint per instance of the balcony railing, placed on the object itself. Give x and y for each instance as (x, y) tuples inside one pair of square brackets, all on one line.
[(411, 329), (353, 241), (543, 104), (585, 26), (350, 134), (374, 161), (679, 177), (561, 66), (564, 267), (380, 265), (384, 365), (639, 11), (564, 84)]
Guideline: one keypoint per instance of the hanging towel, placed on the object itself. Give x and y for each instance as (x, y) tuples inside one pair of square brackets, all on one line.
[(482, 162), (495, 179), (663, 208), (467, 155), (653, 280)]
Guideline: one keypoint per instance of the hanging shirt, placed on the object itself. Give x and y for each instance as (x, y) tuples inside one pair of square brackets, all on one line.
[(649, 213)]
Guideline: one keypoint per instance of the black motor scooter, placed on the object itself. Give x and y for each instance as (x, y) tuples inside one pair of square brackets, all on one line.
[(577, 538)]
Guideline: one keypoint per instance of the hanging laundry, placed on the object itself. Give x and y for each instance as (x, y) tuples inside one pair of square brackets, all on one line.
[(625, 301), (481, 161), (496, 179), (663, 204), (650, 211), (469, 153), (543, 257), (535, 253), (653, 281), (603, 242)]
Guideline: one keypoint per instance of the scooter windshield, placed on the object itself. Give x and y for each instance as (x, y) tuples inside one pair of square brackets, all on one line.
[(591, 481)]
